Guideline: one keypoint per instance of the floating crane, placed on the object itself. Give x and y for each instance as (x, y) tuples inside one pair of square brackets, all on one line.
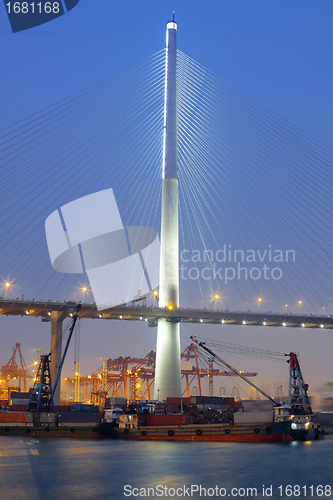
[(299, 410), (41, 397), (239, 373)]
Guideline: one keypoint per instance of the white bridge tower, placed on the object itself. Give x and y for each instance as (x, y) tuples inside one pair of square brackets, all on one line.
[(168, 372)]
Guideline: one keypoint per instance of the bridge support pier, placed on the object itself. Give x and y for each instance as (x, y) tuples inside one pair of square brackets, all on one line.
[(56, 320), (167, 374)]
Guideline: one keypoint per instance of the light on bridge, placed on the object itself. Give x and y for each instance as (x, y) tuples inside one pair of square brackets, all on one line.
[(303, 325), (264, 323), (284, 324), (84, 289), (215, 298), (223, 321), (321, 326), (7, 284), (244, 322)]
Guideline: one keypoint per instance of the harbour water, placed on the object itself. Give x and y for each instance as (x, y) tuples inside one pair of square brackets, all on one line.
[(82, 469)]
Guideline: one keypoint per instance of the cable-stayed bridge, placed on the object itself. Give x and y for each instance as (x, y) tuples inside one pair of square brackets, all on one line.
[(255, 205), (38, 308)]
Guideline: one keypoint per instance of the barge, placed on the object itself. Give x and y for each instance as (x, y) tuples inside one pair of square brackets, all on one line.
[(284, 423)]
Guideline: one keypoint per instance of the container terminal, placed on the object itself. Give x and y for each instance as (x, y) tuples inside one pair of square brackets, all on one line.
[(185, 418)]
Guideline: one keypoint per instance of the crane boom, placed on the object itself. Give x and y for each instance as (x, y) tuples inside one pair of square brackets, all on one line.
[(203, 346), (76, 315)]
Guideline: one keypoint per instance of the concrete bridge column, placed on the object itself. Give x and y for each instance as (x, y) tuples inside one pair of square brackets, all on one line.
[(56, 320), (168, 368)]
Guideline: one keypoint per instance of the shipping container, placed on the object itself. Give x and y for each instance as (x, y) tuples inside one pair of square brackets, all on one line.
[(205, 400), (84, 408), (253, 417), (238, 404), (173, 419), (18, 407), (179, 402), (116, 401), (47, 417), (19, 398), (29, 417), (79, 417), (12, 417), (63, 408)]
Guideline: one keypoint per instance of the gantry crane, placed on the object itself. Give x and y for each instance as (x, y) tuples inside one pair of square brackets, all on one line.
[(12, 371), (132, 378)]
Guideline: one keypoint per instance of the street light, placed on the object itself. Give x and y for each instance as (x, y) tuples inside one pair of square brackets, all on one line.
[(156, 297), (215, 298), (7, 285), (84, 289)]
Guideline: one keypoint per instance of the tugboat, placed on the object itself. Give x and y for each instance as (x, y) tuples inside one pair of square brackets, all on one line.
[(303, 427)]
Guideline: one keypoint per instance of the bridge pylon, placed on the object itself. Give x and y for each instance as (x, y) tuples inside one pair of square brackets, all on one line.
[(168, 373)]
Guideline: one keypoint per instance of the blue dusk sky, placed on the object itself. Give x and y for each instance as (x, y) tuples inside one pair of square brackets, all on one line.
[(277, 52)]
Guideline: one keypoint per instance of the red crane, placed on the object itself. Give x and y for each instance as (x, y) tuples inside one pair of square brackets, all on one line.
[(12, 371)]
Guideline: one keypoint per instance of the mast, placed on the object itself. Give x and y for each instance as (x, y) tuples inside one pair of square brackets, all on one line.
[(298, 389), (167, 373)]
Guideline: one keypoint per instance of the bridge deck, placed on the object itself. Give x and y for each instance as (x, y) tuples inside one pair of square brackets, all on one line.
[(43, 309)]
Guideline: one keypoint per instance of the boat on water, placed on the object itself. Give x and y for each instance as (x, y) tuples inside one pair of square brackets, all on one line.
[(303, 426), (285, 423), (133, 426), (298, 412), (275, 430)]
